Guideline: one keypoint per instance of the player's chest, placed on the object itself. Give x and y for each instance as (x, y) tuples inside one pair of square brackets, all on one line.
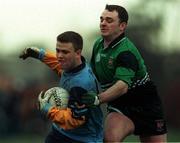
[(106, 58)]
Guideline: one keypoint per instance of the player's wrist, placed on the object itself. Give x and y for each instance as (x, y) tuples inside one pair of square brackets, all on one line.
[(41, 53)]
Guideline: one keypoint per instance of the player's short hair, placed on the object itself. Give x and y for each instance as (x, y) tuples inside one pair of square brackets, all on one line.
[(122, 13), (71, 37)]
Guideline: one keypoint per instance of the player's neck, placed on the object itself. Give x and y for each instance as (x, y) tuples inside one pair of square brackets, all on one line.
[(109, 39)]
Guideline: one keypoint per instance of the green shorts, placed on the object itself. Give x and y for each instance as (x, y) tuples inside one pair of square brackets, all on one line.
[(143, 106)]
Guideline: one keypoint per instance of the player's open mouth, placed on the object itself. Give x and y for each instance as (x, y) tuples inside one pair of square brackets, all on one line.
[(62, 62)]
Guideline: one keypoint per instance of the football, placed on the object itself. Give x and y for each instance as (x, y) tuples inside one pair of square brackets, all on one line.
[(58, 97)]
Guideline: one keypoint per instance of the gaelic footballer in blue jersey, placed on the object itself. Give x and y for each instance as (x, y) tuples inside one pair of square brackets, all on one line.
[(77, 123)]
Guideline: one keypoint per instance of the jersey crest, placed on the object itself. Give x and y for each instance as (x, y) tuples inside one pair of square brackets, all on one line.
[(110, 62)]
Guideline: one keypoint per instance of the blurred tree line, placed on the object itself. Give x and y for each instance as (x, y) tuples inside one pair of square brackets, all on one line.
[(21, 81), (163, 66)]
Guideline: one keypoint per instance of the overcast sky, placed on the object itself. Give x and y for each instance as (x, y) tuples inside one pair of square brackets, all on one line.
[(24, 21)]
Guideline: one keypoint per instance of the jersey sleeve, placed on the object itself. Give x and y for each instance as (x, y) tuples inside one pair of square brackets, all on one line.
[(75, 115), (64, 118), (126, 67), (49, 58)]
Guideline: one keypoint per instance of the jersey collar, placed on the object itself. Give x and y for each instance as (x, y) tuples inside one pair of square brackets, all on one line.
[(116, 41), (79, 67)]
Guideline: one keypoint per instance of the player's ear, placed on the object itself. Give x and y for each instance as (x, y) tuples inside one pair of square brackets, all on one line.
[(122, 26), (79, 51)]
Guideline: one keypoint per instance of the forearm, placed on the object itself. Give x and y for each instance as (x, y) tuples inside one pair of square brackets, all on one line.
[(50, 60), (46, 57), (118, 89)]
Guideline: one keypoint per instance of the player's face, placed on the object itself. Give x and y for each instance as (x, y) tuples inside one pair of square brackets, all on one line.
[(66, 55), (110, 25)]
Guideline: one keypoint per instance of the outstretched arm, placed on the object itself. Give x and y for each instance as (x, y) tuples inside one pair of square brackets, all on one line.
[(94, 99), (51, 61), (46, 57)]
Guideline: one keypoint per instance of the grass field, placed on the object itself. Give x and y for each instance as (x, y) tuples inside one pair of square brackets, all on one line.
[(173, 136)]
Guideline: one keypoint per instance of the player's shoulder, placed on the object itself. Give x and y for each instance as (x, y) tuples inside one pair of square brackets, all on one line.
[(98, 40), (85, 75), (126, 45), (129, 43), (85, 79)]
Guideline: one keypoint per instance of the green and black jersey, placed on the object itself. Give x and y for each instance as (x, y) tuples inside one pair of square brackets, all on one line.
[(121, 60)]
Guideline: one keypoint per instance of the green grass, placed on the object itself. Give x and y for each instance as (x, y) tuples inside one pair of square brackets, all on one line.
[(23, 139), (173, 136)]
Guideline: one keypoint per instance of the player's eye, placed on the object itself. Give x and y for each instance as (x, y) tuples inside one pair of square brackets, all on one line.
[(101, 19), (57, 50), (65, 52), (109, 20)]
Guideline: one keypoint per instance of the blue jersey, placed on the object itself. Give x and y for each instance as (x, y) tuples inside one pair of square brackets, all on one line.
[(77, 82)]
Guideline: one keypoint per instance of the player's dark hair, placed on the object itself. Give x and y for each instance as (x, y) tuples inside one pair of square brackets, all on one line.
[(72, 37), (122, 13)]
